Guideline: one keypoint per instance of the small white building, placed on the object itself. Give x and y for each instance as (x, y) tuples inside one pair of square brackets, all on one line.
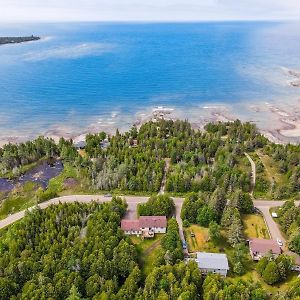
[(215, 263)]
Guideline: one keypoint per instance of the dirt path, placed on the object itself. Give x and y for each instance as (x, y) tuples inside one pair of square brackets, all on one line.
[(152, 247), (269, 175), (164, 180), (253, 173)]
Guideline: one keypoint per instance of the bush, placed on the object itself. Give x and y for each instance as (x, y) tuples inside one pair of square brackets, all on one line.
[(271, 273)]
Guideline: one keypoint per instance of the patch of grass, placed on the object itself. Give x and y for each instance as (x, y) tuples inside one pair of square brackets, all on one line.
[(255, 226), (22, 169), (272, 169), (19, 199), (56, 184), (244, 164), (148, 251), (272, 290), (201, 242)]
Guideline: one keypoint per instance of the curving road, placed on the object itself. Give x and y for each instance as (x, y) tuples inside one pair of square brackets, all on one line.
[(132, 202)]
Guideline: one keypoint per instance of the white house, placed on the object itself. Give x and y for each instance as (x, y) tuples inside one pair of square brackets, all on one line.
[(145, 225), (157, 224), (216, 263), (131, 227)]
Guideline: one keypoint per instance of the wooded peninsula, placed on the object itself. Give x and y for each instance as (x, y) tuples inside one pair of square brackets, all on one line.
[(18, 39)]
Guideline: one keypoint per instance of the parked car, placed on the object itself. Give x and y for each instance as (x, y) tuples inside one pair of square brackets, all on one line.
[(192, 234), (184, 245), (279, 242), (108, 195)]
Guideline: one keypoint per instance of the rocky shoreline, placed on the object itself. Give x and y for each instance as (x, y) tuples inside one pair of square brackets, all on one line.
[(18, 40), (279, 122), (296, 75)]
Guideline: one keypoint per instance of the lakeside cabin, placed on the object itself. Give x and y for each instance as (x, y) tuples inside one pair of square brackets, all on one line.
[(261, 247), (145, 226)]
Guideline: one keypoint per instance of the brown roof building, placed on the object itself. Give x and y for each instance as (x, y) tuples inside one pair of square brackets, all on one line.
[(145, 225), (153, 222), (260, 247), (130, 225)]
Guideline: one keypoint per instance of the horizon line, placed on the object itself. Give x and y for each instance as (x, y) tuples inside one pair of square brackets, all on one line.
[(148, 21)]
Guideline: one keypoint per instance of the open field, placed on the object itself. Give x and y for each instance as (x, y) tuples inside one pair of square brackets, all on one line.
[(201, 242), (148, 251), (255, 226)]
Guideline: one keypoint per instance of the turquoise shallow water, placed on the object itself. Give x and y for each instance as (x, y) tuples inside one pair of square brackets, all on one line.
[(103, 74)]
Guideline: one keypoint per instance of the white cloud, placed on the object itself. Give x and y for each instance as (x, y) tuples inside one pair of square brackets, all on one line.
[(105, 10)]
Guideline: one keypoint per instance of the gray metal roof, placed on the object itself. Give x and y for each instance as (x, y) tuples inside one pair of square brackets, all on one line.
[(80, 144), (212, 261)]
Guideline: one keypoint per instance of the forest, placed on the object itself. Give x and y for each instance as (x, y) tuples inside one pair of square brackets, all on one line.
[(289, 220), (200, 161), (79, 252)]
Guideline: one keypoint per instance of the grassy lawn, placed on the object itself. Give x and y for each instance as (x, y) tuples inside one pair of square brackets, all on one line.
[(200, 241), (148, 251), (255, 227)]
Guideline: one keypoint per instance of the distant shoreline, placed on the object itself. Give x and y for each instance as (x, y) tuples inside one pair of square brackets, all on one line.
[(18, 40)]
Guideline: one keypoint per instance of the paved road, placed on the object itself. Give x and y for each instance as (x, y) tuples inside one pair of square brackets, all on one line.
[(132, 201), (264, 206)]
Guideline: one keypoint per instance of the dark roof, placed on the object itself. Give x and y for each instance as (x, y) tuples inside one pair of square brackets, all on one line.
[(263, 246)]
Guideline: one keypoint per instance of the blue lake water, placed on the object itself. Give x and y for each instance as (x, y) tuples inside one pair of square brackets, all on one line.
[(101, 74)]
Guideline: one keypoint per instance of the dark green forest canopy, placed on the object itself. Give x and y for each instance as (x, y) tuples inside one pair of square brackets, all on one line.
[(51, 250), (135, 161)]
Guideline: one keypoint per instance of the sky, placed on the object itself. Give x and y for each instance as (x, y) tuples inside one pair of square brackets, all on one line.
[(147, 10)]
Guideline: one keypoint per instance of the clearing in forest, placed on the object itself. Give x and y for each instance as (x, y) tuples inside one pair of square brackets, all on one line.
[(255, 227)]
